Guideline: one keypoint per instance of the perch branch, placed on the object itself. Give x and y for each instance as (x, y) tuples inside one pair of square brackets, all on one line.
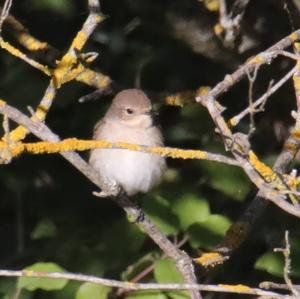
[(73, 144)]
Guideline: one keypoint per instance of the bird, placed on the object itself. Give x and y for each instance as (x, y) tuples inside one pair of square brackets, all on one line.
[(129, 119)]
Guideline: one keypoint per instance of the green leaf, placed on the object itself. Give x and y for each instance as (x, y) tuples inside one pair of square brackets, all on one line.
[(123, 233), (271, 262), (147, 295), (49, 284), (165, 271), (44, 229), (90, 290), (158, 210), (232, 181), (69, 291), (8, 288), (208, 233), (190, 209)]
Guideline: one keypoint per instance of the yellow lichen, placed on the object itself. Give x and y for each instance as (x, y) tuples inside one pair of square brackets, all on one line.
[(291, 147), (28, 272), (294, 36), (297, 46), (41, 112), (50, 94), (16, 52), (296, 133), (265, 171), (125, 145), (232, 122), (212, 5), (71, 144), (18, 134), (99, 18), (209, 259), (218, 29), (292, 182), (237, 288), (79, 40), (203, 90), (258, 59), (296, 80), (96, 79), (31, 43), (174, 100)]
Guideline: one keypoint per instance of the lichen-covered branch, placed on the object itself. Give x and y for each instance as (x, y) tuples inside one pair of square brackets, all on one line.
[(73, 144), (32, 44)]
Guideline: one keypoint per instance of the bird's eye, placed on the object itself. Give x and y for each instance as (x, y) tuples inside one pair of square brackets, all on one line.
[(129, 111)]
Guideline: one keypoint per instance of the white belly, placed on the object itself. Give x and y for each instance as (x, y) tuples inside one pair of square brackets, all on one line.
[(134, 171)]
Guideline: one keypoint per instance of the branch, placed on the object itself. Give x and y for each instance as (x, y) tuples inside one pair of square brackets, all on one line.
[(17, 53), (73, 144), (32, 44), (222, 288)]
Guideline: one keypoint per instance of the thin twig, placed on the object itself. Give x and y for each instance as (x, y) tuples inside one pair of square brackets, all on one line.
[(151, 267), (236, 119), (252, 111), (237, 289)]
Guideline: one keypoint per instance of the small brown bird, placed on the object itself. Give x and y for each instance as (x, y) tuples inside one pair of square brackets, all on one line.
[(128, 119)]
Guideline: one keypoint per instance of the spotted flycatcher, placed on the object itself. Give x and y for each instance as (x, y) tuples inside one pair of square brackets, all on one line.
[(128, 119)]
